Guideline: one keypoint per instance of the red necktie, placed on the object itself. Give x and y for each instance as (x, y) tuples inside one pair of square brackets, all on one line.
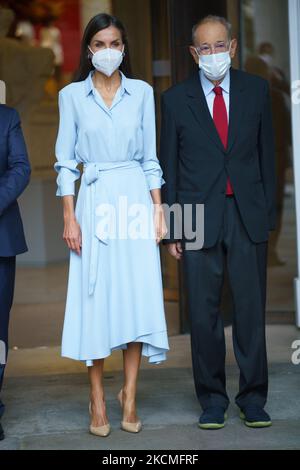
[(221, 122)]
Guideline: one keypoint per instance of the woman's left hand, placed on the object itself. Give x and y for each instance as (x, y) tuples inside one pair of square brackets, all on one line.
[(159, 223)]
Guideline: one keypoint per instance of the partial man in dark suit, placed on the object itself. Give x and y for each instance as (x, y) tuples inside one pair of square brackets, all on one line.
[(14, 177), (217, 149)]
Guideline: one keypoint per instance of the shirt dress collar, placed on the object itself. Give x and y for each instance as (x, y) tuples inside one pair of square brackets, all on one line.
[(125, 84)]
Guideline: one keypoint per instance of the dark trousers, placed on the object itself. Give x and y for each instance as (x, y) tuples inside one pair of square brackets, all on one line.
[(7, 282), (204, 274)]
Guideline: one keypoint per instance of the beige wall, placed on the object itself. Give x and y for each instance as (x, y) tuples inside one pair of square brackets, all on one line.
[(136, 17), (90, 8), (233, 17)]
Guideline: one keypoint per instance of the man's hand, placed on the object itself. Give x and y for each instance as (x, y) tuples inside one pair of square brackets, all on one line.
[(175, 250)]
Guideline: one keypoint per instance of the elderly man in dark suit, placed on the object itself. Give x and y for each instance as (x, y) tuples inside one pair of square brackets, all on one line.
[(217, 150), (14, 177)]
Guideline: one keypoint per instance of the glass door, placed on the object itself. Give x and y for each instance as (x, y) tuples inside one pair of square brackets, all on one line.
[(265, 52)]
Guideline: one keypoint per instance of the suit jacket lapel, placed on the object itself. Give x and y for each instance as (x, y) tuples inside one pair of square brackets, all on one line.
[(235, 107), (198, 104)]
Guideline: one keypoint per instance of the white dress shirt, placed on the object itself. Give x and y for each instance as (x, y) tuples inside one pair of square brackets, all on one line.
[(208, 89)]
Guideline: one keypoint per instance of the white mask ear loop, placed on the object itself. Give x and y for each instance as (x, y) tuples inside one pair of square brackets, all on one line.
[(195, 49), (91, 52), (230, 44)]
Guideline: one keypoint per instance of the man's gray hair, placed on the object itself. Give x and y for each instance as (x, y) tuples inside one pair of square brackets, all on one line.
[(213, 19)]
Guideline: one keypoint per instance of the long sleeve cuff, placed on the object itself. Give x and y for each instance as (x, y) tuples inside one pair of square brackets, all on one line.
[(154, 174), (68, 173)]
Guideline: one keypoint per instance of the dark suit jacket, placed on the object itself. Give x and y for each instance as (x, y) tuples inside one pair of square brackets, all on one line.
[(196, 165), (14, 176)]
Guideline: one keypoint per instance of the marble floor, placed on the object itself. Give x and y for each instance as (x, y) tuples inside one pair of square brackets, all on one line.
[(46, 401)]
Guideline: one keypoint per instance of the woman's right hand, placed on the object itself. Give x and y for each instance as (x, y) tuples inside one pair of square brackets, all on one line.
[(72, 235)]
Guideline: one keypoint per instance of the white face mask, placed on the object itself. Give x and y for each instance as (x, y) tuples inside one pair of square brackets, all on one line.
[(215, 66), (107, 60)]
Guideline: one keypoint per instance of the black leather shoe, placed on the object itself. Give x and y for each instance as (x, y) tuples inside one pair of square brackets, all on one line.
[(213, 417), (1, 433), (255, 416)]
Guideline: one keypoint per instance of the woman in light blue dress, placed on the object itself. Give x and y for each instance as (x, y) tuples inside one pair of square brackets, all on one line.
[(115, 295)]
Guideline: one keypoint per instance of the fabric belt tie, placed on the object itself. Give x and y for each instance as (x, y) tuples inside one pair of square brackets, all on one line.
[(100, 195)]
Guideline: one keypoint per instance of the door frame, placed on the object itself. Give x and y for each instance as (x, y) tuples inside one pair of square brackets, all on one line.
[(294, 32)]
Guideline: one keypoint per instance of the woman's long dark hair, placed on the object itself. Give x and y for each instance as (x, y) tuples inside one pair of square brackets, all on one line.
[(96, 24)]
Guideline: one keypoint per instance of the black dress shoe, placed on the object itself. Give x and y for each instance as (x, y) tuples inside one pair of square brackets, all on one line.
[(255, 416), (1, 433), (213, 417)]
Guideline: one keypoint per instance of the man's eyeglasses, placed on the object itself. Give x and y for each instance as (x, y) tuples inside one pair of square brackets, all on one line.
[(206, 49)]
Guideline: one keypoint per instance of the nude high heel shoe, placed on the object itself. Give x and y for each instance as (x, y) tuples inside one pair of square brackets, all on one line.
[(102, 431), (129, 427)]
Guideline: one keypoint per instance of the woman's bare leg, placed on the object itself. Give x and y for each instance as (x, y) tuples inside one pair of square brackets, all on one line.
[(97, 396), (131, 361)]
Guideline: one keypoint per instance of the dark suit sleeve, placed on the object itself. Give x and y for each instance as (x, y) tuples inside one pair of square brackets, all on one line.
[(169, 162), (16, 178), (267, 157)]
